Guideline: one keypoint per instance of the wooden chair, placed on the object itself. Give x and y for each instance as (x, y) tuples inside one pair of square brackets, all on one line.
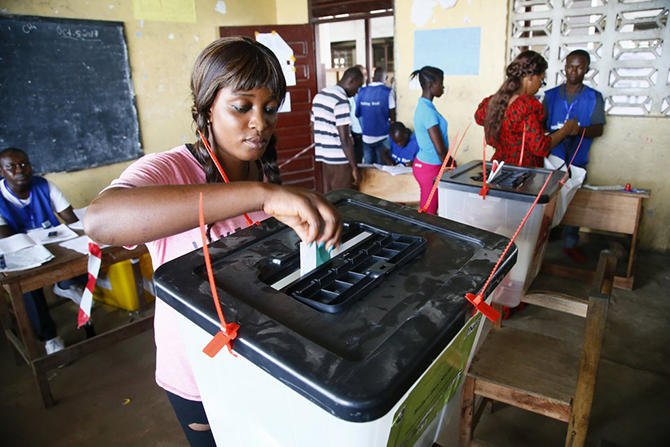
[(540, 373)]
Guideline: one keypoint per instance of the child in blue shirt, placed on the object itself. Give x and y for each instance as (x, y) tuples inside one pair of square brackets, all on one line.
[(403, 146)]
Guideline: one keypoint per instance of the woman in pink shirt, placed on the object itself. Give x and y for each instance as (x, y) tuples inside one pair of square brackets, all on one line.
[(237, 86)]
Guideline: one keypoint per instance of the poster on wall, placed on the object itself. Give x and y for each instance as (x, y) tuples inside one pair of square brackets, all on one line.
[(283, 52), (454, 50)]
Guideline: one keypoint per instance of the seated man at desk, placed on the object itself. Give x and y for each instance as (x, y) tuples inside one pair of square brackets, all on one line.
[(403, 146), (28, 201)]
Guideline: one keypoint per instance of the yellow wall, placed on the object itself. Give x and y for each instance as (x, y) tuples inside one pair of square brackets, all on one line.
[(631, 150), (161, 56), (292, 12)]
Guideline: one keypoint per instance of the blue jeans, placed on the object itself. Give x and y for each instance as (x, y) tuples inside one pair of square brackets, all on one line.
[(372, 153), (38, 309), (570, 236), (38, 314)]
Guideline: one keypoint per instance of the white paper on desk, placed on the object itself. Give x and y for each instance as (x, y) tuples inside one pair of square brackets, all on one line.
[(79, 225), (41, 235), (79, 244), (15, 242), (22, 253), (393, 170)]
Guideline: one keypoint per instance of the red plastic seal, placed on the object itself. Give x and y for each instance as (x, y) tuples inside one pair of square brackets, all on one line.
[(479, 303)]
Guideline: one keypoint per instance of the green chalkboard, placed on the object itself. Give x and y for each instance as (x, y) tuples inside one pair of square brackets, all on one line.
[(67, 94)]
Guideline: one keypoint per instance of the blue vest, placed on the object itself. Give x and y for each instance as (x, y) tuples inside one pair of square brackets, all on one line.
[(404, 154), (372, 106), (581, 109), (32, 215)]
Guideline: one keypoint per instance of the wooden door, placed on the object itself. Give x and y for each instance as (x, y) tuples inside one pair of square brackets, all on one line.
[(293, 128)]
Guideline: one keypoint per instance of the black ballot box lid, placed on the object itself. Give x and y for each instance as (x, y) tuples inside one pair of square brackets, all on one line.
[(354, 336), (513, 182)]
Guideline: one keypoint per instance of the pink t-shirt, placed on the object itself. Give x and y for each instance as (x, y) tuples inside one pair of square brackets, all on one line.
[(174, 167)]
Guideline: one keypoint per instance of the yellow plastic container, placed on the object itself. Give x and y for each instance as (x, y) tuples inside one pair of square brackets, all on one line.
[(117, 287)]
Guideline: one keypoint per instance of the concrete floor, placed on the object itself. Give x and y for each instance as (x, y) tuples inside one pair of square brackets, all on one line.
[(109, 398)]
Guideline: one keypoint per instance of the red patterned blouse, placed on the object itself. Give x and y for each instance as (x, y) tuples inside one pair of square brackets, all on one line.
[(525, 111)]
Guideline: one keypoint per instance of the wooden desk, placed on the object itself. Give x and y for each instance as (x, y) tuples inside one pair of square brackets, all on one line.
[(613, 211), (66, 264), (402, 188)]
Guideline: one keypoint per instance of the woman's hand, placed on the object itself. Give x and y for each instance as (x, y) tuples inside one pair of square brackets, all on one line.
[(571, 127), (311, 216)]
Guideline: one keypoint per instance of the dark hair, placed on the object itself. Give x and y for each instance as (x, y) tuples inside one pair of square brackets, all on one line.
[(397, 126), (12, 150), (427, 75), (527, 63), (240, 63), (270, 167), (582, 53), (353, 73), (380, 74)]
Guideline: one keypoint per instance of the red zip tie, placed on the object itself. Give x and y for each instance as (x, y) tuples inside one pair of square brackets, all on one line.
[(485, 186), (441, 172), (523, 141), (453, 156), (228, 331), (567, 169), (222, 172), (478, 300)]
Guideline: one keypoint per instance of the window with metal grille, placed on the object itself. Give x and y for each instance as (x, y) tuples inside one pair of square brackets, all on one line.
[(625, 39)]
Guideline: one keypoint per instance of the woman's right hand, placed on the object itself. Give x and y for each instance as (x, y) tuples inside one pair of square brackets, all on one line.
[(571, 127), (311, 216)]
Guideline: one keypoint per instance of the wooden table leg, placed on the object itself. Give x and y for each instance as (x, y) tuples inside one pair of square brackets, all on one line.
[(42, 381), (467, 409), (26, 332)]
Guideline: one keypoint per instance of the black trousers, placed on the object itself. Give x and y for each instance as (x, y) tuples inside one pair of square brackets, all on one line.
[(189, 412)]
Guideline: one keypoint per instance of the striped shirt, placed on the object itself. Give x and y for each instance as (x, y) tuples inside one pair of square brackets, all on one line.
[(330, 109)]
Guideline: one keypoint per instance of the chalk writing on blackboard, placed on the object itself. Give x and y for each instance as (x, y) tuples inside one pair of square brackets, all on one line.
[(67, 93)]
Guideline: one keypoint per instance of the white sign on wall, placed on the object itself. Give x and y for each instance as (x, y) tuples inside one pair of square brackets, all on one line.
[(283, 52)]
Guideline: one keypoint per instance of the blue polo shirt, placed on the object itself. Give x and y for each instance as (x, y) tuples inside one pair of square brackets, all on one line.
[(405, 154), (425, 117)]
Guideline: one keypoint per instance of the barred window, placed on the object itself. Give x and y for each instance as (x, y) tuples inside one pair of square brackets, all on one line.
[(624, 38)]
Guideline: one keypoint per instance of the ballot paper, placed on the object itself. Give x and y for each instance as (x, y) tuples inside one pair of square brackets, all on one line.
[(52, 234), (20, 252), (391, 169), (79, 244)]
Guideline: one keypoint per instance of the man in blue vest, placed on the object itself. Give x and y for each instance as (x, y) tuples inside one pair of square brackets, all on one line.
[(574, 100), (356, 130), (28, 201), (375, 106)]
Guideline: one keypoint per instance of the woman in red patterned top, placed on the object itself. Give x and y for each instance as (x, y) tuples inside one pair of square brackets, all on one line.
[(513, 114)]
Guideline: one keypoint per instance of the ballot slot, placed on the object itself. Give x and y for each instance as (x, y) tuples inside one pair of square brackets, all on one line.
[(351, 274), (287, 269)]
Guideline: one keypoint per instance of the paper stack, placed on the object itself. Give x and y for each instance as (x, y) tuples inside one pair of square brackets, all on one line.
[(20, 252)]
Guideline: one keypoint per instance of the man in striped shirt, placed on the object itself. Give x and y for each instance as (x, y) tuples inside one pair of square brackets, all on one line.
[(332, 136)]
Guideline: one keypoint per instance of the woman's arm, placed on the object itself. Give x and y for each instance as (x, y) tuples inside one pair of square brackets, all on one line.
[(129, 216), (436, 137), (569, 128)]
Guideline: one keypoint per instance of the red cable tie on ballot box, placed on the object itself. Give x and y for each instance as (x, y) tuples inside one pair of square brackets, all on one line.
[(228, 331), (485, 187), (450, 155), (222, 172), (478, 300)]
